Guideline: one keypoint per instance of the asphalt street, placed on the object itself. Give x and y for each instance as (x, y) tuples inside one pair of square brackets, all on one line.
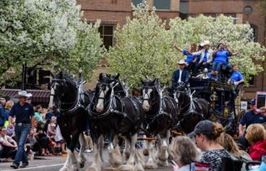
[(53, 164)]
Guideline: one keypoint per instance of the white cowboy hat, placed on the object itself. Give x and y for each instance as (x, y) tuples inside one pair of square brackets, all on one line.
[(22, 93), (29, 95), (182, 62), (205, 42)]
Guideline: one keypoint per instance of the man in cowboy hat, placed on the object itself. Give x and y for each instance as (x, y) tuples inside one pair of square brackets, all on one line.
[(181, 75), (205, 55), (23, 112)]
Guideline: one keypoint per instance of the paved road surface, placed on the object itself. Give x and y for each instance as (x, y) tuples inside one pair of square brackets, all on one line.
[(51, 164)]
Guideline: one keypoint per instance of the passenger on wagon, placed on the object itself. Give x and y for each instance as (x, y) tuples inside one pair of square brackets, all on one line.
[(190, 58), (181, 75), (236, 77), (205, 55), (221, 57)]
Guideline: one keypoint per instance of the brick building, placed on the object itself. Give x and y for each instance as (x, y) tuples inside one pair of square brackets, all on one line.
[(113, 12)]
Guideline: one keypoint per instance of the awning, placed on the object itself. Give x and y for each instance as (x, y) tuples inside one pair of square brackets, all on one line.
[(38, 96)]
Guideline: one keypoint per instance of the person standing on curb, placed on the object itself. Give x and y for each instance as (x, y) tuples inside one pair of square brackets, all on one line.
[(23, 113)]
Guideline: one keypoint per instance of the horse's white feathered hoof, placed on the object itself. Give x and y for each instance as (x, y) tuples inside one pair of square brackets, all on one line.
[(81, 164), (127, 167), (93, 168), (164, 163), (75, 167), (115, 158), (138, 167), (151, 165), (65, 168)]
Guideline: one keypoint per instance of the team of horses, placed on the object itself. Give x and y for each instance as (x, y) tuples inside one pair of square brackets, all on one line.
[(110, 112)]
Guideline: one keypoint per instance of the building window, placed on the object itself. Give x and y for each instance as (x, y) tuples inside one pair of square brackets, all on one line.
[(162, 4), (255, 32), (136, 2), (107, 32)]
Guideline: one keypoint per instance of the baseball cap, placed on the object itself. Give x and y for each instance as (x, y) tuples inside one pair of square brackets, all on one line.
[(203, 127), (252, 102)]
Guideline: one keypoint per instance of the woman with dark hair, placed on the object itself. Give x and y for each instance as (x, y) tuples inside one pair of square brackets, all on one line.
[(206, 134), (221, 57)]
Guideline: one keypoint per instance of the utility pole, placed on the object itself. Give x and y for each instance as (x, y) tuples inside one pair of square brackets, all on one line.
[(24, 75)]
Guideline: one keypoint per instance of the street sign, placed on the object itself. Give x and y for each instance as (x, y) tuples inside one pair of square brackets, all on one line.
[(244, 105)]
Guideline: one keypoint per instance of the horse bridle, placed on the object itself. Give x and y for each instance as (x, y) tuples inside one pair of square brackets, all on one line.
[(74, 103)]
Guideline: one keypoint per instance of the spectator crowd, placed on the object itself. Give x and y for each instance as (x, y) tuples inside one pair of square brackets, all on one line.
[(42, 139)]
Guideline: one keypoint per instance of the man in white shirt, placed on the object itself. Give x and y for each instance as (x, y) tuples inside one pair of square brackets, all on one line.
[(205, 55)]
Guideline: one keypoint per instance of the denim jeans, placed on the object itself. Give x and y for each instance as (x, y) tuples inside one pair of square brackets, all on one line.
[(21, 132)]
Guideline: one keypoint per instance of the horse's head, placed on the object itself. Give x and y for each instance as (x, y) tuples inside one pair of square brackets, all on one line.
[(150, 90), (62, 85), (104, 90)]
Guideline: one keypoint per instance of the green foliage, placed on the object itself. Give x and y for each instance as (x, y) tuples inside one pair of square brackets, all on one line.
[(49, 33), (144, 47)]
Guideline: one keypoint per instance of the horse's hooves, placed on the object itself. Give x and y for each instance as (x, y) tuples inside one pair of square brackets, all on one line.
[(64, 168), (81, 164), (151, 166), (75, 168), (163, 163), (126, 168), (139, 167), (93, 169)]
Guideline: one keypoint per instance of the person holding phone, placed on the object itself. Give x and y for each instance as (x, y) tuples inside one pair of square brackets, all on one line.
[(251, 117)]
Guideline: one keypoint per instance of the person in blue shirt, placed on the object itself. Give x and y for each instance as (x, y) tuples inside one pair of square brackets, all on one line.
[(250, 117), (3, 115), (221, 57), (236, 77), (190, 58), (23, 112)]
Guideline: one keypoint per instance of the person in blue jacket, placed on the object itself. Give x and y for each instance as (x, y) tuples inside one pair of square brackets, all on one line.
[(236, 78), (221, 57)]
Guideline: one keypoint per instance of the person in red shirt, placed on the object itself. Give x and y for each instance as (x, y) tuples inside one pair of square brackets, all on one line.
[(255, 135)]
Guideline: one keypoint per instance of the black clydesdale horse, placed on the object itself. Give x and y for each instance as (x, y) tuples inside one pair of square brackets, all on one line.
[(112, 115), (71, 101), (161, 113), (191, 109)]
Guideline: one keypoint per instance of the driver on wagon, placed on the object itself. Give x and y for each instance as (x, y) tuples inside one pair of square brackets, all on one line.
[(181, 75)]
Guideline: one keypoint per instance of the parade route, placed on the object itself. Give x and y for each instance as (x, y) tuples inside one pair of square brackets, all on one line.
[(51, 164)]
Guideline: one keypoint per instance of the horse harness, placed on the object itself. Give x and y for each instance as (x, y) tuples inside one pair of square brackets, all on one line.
[(112, 108)]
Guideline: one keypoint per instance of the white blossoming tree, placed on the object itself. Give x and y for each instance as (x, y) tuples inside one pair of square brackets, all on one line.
[(143, 48), (47, 33), (238, 37)]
